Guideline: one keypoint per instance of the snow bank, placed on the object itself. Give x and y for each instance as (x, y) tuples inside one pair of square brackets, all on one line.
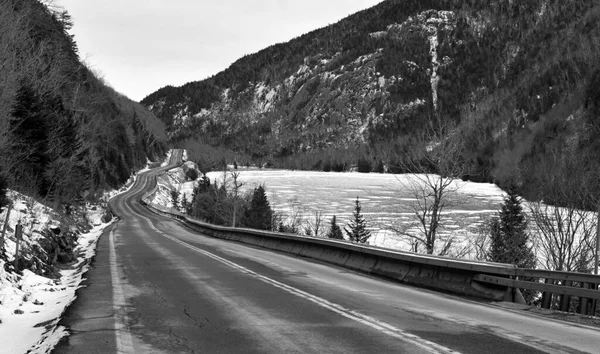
[(31, 305)]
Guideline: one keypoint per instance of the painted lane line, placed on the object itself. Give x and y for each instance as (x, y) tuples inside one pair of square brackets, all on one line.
[(122, 334), (380, 326)]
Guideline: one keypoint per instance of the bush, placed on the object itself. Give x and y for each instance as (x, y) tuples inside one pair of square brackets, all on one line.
[(364, 166), (338, 167)]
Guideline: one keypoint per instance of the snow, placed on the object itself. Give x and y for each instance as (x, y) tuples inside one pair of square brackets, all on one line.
[(435, 80), (264, 97), (167, 159), (378, 35), (174, 180), (31, 305)]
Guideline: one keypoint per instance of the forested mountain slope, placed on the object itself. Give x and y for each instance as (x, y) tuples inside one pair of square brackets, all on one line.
[(516, 84), (64, 134)]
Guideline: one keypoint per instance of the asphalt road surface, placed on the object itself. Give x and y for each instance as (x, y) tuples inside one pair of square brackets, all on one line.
[(158, 287)]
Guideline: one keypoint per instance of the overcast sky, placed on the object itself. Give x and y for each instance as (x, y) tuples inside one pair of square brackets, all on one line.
[(140, 46)]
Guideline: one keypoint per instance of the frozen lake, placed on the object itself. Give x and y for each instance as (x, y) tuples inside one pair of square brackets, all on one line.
[(385, 199)]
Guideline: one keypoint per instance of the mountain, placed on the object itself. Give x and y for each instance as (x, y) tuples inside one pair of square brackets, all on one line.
[(514, 83), (64, 134)]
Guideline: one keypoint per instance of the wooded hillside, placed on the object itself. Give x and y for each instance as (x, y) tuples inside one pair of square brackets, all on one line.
[(514, 83), (64, 134)]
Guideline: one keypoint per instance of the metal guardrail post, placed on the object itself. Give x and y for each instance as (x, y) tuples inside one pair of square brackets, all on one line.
[(587, 306), (594, 306), (583, 305), (547, 296), (565, 299)]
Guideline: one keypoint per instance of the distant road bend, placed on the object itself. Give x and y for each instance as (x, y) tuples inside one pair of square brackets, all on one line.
[(158, 287)]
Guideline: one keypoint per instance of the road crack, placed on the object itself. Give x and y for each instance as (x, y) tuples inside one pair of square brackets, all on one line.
[(198, 322)]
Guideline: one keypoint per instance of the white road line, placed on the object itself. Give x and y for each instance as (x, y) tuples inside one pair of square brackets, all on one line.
[(122, 334), (380, 326)]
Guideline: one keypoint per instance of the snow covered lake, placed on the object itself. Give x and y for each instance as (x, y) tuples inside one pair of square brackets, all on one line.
[(385, 199)]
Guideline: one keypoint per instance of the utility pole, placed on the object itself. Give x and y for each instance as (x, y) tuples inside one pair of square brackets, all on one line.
[(18, 237), (9, 208)]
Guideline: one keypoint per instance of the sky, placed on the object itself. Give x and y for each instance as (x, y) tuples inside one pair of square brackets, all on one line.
[(139, 46)]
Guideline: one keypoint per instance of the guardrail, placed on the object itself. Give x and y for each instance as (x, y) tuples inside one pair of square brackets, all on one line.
[(575, 292), (564, 291)]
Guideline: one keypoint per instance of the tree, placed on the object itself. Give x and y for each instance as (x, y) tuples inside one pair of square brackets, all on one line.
[(565, 237), (184, 203), (313, 226), (357, 228), (236, 188), (335, 232), (259, 214), (175, 198), (294, 219), (432, 169), (509, 241)]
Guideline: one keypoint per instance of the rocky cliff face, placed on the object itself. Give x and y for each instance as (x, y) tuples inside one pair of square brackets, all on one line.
[(503, 76)]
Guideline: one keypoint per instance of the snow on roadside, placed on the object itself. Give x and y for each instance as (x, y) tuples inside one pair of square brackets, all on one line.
[(167, 159), (31, 305)]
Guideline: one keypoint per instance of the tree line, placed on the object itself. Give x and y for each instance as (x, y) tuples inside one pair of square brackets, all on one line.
[(513, 122), (225, 204), (64, 134)]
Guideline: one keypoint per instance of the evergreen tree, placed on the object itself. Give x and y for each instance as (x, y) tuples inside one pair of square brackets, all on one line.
[(357, 229), (175, 198), (379, 167), (509, 238), (335, 231), (184, 204), (259, 215)]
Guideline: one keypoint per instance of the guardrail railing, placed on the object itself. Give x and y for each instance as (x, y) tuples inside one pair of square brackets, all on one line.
[(564, 291)]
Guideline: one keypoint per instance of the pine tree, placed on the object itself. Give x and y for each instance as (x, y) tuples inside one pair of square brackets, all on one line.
[(335, 232), (357, 229), (175, 198), (259, 215), (184, 203), (509, 238)]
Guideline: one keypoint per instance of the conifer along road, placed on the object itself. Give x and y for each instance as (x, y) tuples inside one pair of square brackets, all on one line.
[(175, 291)]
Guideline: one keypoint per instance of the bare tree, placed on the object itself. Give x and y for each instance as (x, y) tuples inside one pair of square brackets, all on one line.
[(314, 224), (236, 185), (294, 217), (566, 231), (479, 239), (433, 169), (565, 236)]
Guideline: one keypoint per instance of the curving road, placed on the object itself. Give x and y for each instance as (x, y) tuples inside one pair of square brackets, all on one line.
[(157, 287)]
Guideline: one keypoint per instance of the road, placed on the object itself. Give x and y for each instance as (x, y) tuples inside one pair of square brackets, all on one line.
[(158, 287)]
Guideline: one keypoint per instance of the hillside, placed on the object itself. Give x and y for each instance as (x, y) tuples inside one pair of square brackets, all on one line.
[(514, 84), (64, 134)]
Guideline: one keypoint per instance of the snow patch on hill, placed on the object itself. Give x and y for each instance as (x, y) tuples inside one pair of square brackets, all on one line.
[(177, 180)]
